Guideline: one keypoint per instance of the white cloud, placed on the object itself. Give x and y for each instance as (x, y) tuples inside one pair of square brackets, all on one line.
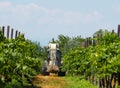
[(92, 17), (51, 12), (23, 13), (116, 8), (72, 17), (5, 5), (57, 16), (61, 18)]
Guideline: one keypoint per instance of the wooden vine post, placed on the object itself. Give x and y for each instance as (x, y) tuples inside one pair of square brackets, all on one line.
[(12, 33), (9, 33)]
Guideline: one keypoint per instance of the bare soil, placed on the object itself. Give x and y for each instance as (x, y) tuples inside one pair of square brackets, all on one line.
[(52, 81)]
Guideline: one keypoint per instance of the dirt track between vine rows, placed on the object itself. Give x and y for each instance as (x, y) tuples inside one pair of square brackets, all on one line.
[(52, 81)]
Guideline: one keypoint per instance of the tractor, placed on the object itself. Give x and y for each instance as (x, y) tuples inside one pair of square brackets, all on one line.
[(53, 62)]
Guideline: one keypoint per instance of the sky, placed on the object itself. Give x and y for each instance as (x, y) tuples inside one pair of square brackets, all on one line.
[(42, 20)]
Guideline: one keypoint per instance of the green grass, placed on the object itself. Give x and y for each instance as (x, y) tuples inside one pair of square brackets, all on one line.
[(74, 82)]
